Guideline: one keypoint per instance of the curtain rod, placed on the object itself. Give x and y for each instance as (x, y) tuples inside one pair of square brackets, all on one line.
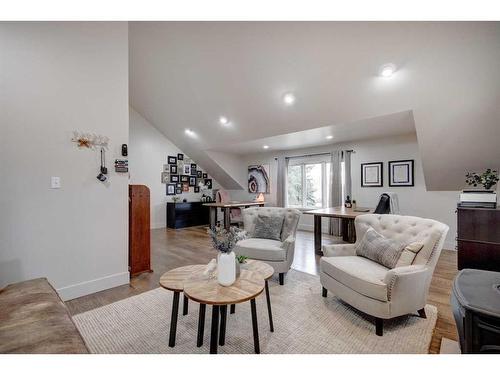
[(318, 154)]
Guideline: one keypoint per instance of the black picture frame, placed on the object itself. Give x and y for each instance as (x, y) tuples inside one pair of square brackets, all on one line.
[(173, 168), (171, 189), (368, 179), (193, 169), (192, 181), (180, 156), (174, 178), (185, 178), (196, 189), (165, 177), (172, 160), (205, 175), (178, 191), (199, 174), (208, 183), (404, 176), (179, 185)]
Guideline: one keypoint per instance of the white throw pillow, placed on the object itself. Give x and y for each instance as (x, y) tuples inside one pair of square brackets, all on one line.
[(409, 253)]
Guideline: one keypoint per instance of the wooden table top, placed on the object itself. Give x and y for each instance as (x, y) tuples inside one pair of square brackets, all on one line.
[(260, 267), (234, 204), (204, 289), (339, 212), (174, 279)]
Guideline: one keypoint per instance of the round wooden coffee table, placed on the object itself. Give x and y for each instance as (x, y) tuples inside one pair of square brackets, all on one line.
[(207, 291), (174, 280)]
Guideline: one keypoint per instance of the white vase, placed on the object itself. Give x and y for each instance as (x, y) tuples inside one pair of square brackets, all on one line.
[(226, 268)]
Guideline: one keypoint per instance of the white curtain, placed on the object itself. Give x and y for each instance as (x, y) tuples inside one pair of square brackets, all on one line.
[(281, 183), (346, 154), (336, 197)]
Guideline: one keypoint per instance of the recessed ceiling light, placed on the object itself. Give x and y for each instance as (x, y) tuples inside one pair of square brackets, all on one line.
[(189, 132), (223, 120), (387, 70), (265, 147), (329, 137), (289, 99)]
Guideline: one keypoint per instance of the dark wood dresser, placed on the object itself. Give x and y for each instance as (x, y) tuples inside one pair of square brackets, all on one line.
[(188, 214), (478, 238), (139, 243)]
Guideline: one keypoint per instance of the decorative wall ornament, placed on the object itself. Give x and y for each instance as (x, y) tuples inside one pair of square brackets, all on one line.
[(401, 173), (372, 174), (90, 140), (258, 179)]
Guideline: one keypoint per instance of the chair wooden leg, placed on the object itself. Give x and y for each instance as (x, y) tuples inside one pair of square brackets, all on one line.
[(324, 292), (422, 313), (282, 278), (379, 326)]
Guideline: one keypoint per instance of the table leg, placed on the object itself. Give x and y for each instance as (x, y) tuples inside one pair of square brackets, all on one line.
[(215, 329), (223, 320), (317, 235), (185, 305), (227, 217), (270, 313), (345, 229), (173, 320), (233, 309), (352, 231), (255, 327), (213, 217), (201, 325)]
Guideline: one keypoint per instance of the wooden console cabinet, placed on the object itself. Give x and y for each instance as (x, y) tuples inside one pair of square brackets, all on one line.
[(478, 238), (139, 243), (188, 214)]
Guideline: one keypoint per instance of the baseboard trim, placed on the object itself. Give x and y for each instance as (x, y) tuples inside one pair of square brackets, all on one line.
[(92, 286), (158, 225)]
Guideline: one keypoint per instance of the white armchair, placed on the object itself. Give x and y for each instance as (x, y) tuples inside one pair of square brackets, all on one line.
[(371, 287), (278, 254)]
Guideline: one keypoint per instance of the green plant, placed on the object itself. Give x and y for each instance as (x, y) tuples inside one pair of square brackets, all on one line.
[(175, 199), (241, 259), (488, 179)]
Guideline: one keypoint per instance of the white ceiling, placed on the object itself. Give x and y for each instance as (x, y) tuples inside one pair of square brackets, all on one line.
[(187, 74)]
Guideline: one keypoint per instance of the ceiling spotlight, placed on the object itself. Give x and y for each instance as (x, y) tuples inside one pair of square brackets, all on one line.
[(265, 147), (189, 132), (289, 99), (387, 70), (223, 120), (329, 137)]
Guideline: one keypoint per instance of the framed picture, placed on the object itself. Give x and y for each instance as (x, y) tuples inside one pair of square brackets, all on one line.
[(196, 189), (208, 183), (165, 177), (166, 167), (184, 178), (185, 186), (187, 169), (192, 181), (173, 169), (205, 175), (172, 160), (178, 191), (170, 189), (401, 173), (179, 185), (193, 170), (372, 174), (180, 156), (174, 178), (199, 174), (258, 179)]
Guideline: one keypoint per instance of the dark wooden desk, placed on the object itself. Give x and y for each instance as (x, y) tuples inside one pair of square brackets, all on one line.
[(347, 215), (226, 209)]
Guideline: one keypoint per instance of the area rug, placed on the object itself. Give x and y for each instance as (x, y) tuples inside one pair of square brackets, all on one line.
[(304, 322)]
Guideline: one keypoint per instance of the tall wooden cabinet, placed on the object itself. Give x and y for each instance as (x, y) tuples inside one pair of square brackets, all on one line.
[(478, 238), (139, 255)]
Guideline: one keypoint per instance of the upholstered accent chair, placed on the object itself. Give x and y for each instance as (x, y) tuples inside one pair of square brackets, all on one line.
[(371, 287), (278, 254)]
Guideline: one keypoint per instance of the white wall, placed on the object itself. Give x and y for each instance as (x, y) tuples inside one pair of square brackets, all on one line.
[(148, 152), (56, 78), (417, 201)]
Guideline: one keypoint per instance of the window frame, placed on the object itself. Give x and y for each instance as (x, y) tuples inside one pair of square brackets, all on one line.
[(325, 185)]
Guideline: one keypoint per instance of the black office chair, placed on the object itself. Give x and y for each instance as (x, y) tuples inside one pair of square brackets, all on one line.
[(384, 205)]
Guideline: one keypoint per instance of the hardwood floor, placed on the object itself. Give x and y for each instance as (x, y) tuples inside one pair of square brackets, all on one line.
[(172, 248)]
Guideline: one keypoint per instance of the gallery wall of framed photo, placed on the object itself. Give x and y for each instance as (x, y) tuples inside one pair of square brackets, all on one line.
[(182, 175)]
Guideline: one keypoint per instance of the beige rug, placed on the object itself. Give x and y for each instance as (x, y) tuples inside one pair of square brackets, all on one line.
[(304, 322)]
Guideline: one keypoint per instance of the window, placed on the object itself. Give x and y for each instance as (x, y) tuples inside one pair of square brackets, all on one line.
[(308, 182)]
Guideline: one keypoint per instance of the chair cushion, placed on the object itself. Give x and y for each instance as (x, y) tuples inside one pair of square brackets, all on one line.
[(268, 227), (360, 274), (261, 249), (385, 251)]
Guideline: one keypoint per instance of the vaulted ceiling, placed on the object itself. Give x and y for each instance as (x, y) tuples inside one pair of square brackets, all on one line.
[(188, 74)]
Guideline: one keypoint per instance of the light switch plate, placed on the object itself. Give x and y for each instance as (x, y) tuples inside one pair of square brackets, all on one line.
[(55, 182)]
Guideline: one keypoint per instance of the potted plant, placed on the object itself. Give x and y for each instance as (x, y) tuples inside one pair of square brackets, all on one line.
[(224, 241), (240, 261), (488, 179)]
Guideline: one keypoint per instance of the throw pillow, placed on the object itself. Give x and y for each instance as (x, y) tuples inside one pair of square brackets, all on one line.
[(268, 227), (381, 250), (409, 253)]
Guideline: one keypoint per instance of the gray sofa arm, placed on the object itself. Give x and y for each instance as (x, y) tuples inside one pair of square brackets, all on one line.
[(289, 245), (340, 250), (408, 285)]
